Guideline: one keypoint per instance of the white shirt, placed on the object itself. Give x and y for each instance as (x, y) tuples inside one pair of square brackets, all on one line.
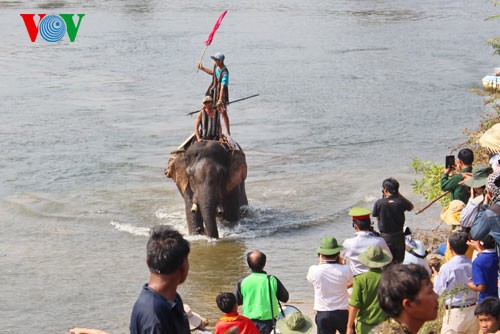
[(455, 273), (357, 245), (330, 286), (469, 213)]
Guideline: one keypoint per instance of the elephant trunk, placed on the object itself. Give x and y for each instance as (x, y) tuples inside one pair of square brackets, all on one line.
[(208, 206)]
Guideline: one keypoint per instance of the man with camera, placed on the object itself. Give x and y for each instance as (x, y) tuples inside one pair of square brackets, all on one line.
[(453, 183)]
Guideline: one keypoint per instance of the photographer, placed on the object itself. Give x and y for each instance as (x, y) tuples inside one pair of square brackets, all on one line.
[(453, 183)]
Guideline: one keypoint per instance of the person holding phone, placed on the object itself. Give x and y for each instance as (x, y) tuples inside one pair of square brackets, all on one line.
[(454, 183)]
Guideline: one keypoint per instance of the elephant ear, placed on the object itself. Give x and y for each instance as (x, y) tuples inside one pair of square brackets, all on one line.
[(176, 169), (237, 171)]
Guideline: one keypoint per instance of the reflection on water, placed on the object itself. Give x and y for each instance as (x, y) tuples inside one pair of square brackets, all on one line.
[(214, 267)]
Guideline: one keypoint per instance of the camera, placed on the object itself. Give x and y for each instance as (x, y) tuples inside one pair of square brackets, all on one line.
[(450, 161)]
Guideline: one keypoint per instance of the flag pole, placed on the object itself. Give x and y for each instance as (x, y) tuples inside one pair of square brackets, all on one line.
[(201, 58), (211, 36)]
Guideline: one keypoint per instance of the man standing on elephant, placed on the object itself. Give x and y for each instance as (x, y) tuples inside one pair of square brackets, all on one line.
[(219, 88), (259, 293), (389, 211)]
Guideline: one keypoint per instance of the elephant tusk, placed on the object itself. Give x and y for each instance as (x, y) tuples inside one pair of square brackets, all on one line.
[(220, 210), (194, 208)]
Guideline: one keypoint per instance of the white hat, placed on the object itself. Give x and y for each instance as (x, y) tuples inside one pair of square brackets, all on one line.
[(193, 318), (494, 162), (420, 249)]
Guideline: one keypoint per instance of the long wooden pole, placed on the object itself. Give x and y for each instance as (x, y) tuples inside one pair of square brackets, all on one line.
[(433, 201), (201, 58)]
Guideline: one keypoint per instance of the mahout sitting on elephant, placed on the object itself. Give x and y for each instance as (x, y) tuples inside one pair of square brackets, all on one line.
[(211, 178)]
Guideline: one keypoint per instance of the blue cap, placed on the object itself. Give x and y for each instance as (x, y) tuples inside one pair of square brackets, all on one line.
[(218, 56)]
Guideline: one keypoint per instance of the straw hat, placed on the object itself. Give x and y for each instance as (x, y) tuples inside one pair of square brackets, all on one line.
[(295, 323), (375, 257), (451, 214), (491, 139)]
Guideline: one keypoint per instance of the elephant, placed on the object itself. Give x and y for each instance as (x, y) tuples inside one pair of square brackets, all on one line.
[(211, 178)]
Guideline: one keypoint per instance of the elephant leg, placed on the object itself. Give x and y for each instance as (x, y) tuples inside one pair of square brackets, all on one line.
[(231, 204), (243, 194)]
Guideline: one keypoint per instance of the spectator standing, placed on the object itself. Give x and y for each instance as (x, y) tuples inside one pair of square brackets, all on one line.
[(405, 293), (463, 164), (451, 283), (226, 301), (330, 279), (488, 218), (364, 238), (364, 307), (485, 270), (389, 211), (159, 308), (477, 185), (260, 293)]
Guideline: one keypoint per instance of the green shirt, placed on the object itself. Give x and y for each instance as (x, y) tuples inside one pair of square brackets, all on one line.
[(452, 185), (256, 296), (364, 297)]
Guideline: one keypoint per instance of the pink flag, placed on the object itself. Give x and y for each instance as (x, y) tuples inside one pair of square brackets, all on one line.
[(216, 26)]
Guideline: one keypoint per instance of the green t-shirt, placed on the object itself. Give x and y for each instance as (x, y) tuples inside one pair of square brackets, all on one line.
[(364, 297), (256, 296)]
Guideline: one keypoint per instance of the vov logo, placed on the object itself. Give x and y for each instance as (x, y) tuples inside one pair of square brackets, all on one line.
[(52, 27)]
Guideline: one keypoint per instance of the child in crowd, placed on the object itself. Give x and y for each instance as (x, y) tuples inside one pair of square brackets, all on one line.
[(488, 315), (364, 306), (226, 301), (485, 269)]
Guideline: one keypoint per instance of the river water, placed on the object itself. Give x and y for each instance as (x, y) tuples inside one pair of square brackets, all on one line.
[(350, 91)]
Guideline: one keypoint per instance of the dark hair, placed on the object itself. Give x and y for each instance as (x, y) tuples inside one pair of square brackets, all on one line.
[(226, 301), (392, 185), (256, 260), (488, 306), (399, 282), (363, 224), (466, 156), (489, 242), (166, 249), (458, 242)]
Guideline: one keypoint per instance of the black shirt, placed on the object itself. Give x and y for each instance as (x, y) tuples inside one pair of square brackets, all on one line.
[(391, 213), (154, 314)]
